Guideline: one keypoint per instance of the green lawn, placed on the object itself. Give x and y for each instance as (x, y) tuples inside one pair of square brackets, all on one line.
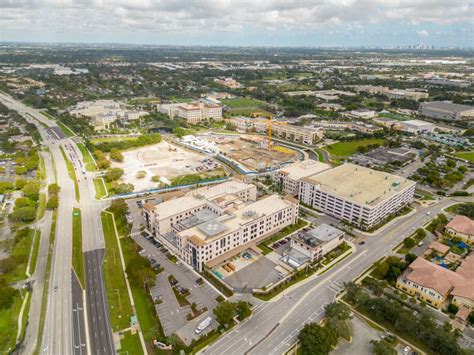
[(41, 206), (34, 256), (77, 255), (111, 139), (24, 318), (130, 344), (466, 155), (149, 321), (100, 189), (9, 325), (346, 149), (87, 159), (20, 253), (243, 102), (66, 130), (72, 174), (120, 308)]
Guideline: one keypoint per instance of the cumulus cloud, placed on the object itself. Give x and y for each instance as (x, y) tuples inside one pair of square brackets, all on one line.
[(226, 15), (423, 33)]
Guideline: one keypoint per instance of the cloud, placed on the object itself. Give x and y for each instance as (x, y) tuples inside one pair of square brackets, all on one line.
[(423, 33), (214, 16)]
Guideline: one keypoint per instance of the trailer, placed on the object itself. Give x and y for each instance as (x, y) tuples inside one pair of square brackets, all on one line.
[(203, 325)]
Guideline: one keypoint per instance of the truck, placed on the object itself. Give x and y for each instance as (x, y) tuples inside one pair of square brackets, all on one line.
[(203, 325)]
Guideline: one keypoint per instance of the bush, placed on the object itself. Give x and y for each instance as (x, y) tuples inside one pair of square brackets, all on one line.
[(116, 155), (113, 174), (452, 308)]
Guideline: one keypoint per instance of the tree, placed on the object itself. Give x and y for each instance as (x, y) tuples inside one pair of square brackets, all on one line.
[(409, 258), (53, 202), (179, 132), (382, 269), (5, 186), (118, 207), (123, 188), (103, 163), (7, 294), (452, 308), (31, 190), (224, 312), (113, 174), (116, 155), (53, 189), (337, 310), (98, 154), (20, 183), (408, 243), (315, 339), (243, 310), (382, 347), (339, 327), (23, 214), (139, 272), (23, 201), (20, 170)]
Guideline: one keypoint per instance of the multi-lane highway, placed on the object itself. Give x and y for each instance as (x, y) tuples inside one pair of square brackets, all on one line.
[(65, 324), (274, 326)]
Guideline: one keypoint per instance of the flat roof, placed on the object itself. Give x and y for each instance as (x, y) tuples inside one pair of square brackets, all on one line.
[(304, 168), (446, 106), (198, 197), (232, 221), (318, 235), (418, 123), (358, 184)]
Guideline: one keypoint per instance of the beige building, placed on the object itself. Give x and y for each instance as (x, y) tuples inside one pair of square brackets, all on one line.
[(437, 285), (316, 242), (446, 110), (218, 221), (299, 134), (392, 93), (289, 177), (358, 195), (193, 112), (461, 227)]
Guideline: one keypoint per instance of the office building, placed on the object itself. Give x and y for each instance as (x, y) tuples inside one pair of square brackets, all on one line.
[(446, 110), (289, 177), (193, 112), (358, 195), (416, 126)]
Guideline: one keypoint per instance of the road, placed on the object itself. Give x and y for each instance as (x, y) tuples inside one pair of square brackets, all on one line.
[(275, 325), (63, 329)]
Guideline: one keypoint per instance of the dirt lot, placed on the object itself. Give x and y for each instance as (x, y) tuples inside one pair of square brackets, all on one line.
[(252, 151), (163, 162)]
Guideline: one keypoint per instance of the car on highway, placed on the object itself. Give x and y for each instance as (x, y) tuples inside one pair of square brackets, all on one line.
[(56, 288)]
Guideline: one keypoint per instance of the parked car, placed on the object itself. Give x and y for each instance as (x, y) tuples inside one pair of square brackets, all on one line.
[(361, 242), (199, 281)]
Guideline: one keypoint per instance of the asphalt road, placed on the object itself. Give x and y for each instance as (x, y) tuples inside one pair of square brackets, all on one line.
[(79, 331), (275, 325), (59, 323), (100, 334)]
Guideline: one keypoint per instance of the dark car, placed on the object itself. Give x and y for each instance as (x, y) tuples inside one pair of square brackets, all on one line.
[(361, 242)]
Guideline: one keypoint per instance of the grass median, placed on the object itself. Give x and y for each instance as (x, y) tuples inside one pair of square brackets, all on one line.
[(120, 308), (72, 174), (87, 159), (34, 255), (100, 188), (77, 255)]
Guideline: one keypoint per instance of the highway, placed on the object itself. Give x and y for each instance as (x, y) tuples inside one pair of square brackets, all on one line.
[(274, 325), (65, 328)]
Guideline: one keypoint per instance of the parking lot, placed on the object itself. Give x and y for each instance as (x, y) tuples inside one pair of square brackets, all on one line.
[(172, 316)]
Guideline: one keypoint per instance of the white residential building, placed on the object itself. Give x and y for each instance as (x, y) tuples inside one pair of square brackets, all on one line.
[(289, 177), (218, 221), (356, 194)]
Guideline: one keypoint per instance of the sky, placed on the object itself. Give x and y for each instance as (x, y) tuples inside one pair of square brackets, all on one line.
[(332, 23)]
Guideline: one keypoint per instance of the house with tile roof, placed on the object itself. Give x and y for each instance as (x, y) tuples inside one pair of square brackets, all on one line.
[(461, 227)]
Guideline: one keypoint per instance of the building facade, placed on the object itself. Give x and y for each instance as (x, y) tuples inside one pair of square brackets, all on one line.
[(446, 110), (358, 195), (214, 221)]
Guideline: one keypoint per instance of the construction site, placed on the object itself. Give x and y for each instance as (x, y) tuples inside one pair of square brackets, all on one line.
[(251, 153), (165, 164)]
